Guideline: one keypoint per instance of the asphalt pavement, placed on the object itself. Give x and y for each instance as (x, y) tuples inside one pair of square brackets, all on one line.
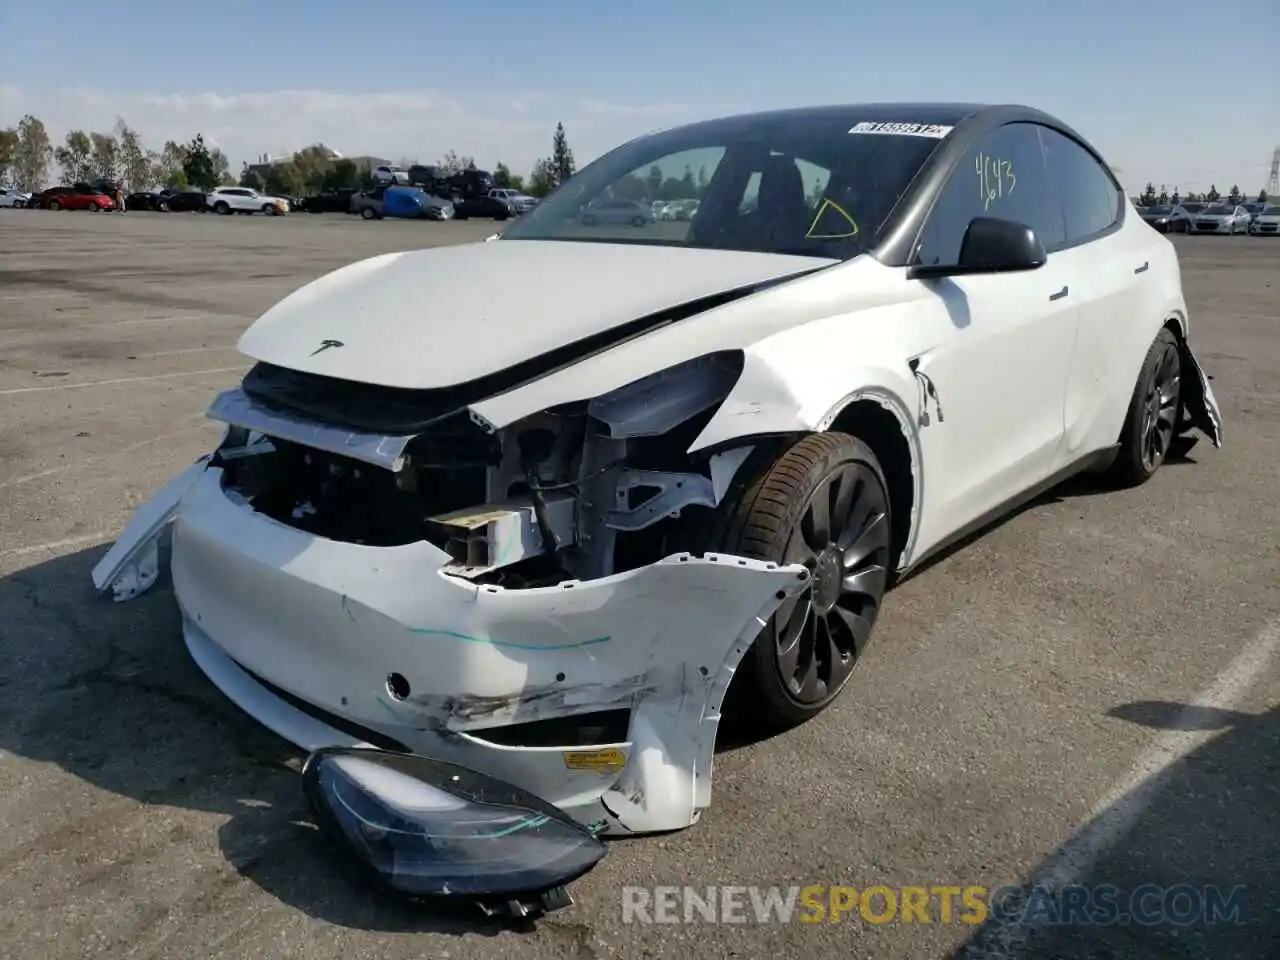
[(1086, 694)]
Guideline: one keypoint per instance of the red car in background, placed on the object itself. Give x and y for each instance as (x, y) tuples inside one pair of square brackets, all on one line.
[(81, 196)]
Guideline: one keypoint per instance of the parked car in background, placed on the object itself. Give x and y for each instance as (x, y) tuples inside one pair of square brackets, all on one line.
[(292, 203), (1220, 218), (1266, 222), (182, 201), (81, 196), (520, 202), (616, 211), (390, 174), (142, 200), (1165, 217), (400, 202), (227, 200), (1253, 208), (12, 197), (330, 200), (368, 203), (679, 210), (482, 207), (431, 178)]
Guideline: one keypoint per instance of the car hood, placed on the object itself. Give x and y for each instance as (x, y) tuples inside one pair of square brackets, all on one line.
[(427, 319)]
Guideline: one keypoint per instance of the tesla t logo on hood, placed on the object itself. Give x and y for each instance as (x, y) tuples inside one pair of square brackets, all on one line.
[(325, 345)]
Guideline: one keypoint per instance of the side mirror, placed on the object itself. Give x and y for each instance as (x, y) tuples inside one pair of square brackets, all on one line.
[(990, 245)]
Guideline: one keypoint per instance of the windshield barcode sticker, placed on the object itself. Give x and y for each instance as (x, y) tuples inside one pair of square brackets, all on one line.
[(890, 129)]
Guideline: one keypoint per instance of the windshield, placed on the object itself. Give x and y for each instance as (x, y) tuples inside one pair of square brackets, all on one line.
[(795, 183), (1271, 212), (1217, 209), (1193, 207)]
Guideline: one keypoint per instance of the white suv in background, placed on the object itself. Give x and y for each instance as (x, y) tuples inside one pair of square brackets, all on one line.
[(245, 200), (389, 174)]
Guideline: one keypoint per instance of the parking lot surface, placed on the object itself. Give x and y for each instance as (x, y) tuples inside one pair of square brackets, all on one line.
[(1097, 672)]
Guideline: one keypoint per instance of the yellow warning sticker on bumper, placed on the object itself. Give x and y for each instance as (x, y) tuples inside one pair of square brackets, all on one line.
[(608, 760)]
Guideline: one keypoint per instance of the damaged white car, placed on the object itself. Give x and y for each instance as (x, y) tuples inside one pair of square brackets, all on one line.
[(530, 506)]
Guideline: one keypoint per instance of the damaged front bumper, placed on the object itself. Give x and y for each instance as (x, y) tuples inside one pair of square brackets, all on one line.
[(341, 644)]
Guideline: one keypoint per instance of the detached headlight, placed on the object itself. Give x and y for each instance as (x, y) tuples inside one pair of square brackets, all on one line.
[(425, 829)]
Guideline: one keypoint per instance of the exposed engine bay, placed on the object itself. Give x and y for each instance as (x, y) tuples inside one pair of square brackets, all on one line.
[(580, 491)]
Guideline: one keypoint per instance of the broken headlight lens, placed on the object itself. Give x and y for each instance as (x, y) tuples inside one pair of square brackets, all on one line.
[(426, 828)]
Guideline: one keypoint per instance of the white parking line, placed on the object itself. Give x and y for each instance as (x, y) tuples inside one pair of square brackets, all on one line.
[(108, 383), (1115, 815)]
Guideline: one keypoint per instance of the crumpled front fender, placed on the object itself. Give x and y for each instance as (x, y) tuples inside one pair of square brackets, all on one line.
[(1200, 405), (132, 565)]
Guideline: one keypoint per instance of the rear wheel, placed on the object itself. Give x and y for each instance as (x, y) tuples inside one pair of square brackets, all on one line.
[(222, 207), (93, 206), (1155, 409), (824, 503), (368, 213), (55, 205)]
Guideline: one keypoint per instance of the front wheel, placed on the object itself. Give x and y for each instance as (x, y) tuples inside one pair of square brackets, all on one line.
[(823, 503), (55, 205), (638, 221), (222, 207), (368, 213)]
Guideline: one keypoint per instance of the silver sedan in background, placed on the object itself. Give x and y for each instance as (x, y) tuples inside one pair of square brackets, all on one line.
[(1221, 218)]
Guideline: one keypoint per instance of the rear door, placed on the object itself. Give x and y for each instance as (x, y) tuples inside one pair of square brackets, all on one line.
[(1116, 260), (998, 357)]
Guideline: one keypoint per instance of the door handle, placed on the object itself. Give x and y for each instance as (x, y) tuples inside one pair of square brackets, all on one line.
[(1142, 269), (1059, 295)]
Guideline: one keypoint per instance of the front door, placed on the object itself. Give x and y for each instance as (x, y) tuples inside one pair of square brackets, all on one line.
[(995, 370)]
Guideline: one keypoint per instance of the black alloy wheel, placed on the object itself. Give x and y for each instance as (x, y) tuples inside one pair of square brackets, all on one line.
[(823, 503), (1160, 407), (843, 538)]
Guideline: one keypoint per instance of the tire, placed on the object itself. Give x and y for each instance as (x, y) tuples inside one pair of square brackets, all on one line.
[(766, 516), (222, 207), (637, 221), (162, 207), (55, 205), (93, 207), (1155, 411), (368, 213), (269, 210)]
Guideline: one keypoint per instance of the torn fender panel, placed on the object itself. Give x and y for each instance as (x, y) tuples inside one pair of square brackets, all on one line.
[(1201, 405), (132, 565)]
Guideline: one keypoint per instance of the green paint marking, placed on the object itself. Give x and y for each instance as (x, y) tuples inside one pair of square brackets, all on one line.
[(453, 635)]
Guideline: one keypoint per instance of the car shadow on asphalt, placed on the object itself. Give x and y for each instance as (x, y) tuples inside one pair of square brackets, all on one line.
[(1210, 821), (108, 693)]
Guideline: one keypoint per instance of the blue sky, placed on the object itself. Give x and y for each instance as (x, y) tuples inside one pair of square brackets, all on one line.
[(1176, 91)]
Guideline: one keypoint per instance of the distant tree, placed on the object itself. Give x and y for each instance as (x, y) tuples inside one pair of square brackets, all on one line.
[(343, 174), (1163, 199), (1176, 198), (562, 163), (502, 176), (1213, 196), (542, 179), (655, 181), (1148, 197), (1234, 194), (74, 157), (198, 165), (703, 180), (34, 156), (135, 160), (251, 179), (104, 161), (1262, 196), (8, 154), (456, 164)]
